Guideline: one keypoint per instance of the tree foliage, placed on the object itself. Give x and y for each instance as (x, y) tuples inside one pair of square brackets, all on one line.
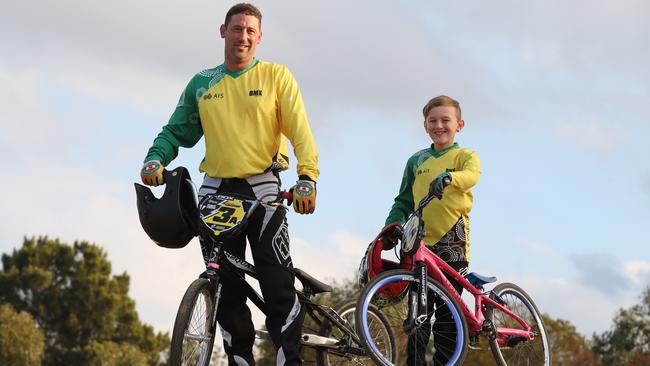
[(114, 354), (568, 347), (628, 340), (21, 340), (70, 292)]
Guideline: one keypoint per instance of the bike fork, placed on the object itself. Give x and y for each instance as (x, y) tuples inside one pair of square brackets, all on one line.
[(417, 299)]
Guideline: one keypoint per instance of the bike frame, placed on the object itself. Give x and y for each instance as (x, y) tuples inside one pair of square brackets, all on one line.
[(222, 263), (437, 268)]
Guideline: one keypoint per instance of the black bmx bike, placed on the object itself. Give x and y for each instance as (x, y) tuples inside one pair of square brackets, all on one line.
[(331, 341)]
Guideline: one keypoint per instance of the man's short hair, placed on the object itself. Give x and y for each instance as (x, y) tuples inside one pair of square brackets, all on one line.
[(440, 101), (246, 9)]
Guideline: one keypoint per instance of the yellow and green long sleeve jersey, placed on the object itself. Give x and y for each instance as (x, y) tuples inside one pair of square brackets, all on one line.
[(244, 116), (439, 215)]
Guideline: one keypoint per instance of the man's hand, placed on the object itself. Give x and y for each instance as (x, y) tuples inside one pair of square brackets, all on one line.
[(304, 196), (438, 185), (152, 173)]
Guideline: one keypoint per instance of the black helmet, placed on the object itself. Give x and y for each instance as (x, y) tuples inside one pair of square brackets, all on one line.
[(171, 221)]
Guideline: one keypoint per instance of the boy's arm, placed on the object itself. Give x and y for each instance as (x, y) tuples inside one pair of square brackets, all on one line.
[(183, 129), (467, 177), (403, 205)]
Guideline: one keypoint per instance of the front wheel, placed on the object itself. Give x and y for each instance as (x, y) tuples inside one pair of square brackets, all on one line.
[(441, 338), (380, 329), (192, 340), (535, 352)]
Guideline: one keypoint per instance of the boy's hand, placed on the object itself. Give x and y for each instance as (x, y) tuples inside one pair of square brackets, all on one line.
[(152, 173), (304, 196), (438, 185), (389, 239)]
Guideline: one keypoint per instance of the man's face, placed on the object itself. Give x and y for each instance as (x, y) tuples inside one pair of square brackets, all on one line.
[(241, 38)]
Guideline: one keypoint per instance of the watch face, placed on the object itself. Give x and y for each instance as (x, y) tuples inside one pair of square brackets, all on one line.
[(304, 189), (151, 167)]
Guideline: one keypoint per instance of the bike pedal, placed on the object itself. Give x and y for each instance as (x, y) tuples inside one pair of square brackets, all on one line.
[(514, 341)]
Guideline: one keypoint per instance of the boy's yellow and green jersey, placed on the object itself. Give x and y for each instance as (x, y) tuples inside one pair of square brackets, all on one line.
[(440, 216), (244, 117)]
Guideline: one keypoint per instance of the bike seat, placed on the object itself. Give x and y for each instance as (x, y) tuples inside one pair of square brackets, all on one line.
[(310, 284), (478, 280)]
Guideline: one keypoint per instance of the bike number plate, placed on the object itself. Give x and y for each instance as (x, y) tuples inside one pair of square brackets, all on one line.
[(224, 214)]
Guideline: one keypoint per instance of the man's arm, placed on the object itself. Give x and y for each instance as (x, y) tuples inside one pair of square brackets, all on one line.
[(183, 129), (295, 124)]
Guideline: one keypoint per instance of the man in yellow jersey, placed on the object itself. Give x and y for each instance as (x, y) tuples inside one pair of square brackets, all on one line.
[(446, 221), (244, 108)]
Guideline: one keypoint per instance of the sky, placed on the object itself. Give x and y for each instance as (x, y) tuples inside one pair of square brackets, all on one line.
[(554, 97)]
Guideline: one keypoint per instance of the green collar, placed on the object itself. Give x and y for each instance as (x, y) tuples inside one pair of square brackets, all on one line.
[(437, 154), (235, 74)]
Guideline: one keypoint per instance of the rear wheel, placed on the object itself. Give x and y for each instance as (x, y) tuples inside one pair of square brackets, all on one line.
[(444, 327), (535, 352), (380, 329), (191, 339)]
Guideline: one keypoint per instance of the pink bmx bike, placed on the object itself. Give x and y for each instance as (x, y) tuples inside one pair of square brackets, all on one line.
[(429, 313)]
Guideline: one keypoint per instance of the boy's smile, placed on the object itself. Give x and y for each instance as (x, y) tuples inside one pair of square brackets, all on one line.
[(441, 124)]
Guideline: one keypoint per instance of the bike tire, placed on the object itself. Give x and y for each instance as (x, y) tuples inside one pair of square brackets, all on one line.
[(192, 340), (381, 326), (524, 353), (396, 313)]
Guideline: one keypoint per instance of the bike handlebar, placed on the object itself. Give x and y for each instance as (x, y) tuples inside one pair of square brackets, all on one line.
[(282, 195), (286, 195)]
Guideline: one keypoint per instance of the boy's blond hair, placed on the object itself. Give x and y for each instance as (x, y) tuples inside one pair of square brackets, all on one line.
[(439, 101)]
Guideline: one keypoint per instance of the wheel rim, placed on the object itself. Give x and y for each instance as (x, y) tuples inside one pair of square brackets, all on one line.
[(523, 353), (196, 338), (397, 314)]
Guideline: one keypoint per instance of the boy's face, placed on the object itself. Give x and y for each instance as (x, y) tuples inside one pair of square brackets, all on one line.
[(442, 124)]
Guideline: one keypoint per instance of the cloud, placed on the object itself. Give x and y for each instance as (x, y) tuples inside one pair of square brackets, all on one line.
[(543, 249), (589, 309), (645, 181), (498, 63), (603, 272), (84, 86), (592, 137), (336, 261), (638, 273)]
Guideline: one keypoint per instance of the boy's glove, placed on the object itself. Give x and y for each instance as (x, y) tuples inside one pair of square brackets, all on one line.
[(438, 185), (152, 173), (304, 196), (390, 238)]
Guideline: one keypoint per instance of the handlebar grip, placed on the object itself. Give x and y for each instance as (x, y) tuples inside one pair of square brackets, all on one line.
[(287, 195)]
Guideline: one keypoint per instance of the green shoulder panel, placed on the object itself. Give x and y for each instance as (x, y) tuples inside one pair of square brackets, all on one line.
[(184, 126), (404, 205)]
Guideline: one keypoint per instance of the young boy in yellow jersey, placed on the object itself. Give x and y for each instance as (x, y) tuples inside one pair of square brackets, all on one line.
[(446, 221)]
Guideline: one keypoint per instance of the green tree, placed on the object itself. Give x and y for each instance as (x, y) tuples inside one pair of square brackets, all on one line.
[(21, 341), (628, 340), (568, 347), (70, 292), (113, 354)]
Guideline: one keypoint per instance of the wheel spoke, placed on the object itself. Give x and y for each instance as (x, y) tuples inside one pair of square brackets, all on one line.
[(535, 352)]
